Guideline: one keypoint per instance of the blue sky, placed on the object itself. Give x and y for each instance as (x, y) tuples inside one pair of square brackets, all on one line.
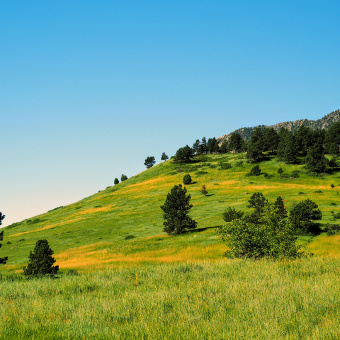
[(90, 88)]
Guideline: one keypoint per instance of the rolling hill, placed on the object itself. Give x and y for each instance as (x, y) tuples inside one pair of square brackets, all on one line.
[(122, 225)]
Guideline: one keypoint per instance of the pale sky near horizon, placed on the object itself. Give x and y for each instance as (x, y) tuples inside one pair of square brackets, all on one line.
[(89, 89)]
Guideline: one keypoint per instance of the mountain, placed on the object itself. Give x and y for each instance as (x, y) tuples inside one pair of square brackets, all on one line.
[(324, 123)]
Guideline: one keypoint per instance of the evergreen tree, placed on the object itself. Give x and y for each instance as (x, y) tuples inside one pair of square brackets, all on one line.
[(149, 162), (3, 260), (176, 208), (235, 142), (123, 177), (224, 146), (303, 140), (41, 260), (332, 139), (290, 152), (196, 147), (116, 181), (255, 146), (280, 207), (270, 140), (212, 145), (315, 160), (184, 155), (257, 201), (283, 133), (164, 156), (204, 190), (203, 146)]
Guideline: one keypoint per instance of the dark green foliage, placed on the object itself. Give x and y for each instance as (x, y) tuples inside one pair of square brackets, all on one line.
[(236, 143), (129, 237), (187, 179), (295, 174), (201, 173), (116, 181), (255, 146), (283, 133), (196, 147), (184, 155), (332, 229), (273, 237), (332, 139), (270, 140), (41, 260), (224, 146), (212, 145), (332, 186), (280, 207), (255, 171), (123, 178), (225, 166), (257, 202), (332, 163), (280, 171), (302, 215), (303, 139), (176, 208), (336, 216), (290, 151), (149, 162), (164, 156), (231, 214), (202, 149), (3, 260), (315, 160)]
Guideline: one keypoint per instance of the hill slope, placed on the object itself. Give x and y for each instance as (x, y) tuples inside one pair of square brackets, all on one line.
[(323, 123), (122, 225)]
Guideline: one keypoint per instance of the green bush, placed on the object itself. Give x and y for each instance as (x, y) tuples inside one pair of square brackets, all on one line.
[(231, 214), (255, 171), (225, 166), (273, 238), (187, 179)]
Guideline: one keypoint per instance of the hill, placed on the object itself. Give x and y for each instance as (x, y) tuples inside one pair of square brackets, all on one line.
[(322, 123), (122, 225)]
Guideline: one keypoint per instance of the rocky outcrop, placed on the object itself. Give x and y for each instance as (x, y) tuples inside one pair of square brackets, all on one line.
[(324, 123)]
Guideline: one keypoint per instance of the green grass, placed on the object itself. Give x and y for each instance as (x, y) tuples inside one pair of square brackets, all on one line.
[(230, 299), (122, 225)]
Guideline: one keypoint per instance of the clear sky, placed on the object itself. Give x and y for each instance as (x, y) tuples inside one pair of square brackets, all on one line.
[(90, 88)]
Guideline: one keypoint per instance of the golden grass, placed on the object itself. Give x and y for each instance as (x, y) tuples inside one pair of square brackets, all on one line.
[(49, 226), (324, 245), (94, 210)]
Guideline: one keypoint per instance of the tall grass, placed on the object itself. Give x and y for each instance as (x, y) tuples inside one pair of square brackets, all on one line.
[(231, 299)]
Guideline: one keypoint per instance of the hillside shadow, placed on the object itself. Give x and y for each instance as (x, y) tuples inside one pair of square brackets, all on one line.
[(199, 230)]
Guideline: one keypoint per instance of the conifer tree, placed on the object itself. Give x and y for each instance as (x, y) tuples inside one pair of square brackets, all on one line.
[(116, 181), (41, 260), (290, 152), (176, 208), (164, 156)]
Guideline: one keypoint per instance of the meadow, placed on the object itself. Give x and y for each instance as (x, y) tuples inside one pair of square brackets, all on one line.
[(122, 277), (225, 299), (122, 224)]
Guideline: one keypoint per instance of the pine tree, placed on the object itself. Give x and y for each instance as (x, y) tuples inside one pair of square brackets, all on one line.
[(255, 146), (235, 142), (290, 153), (176, 208), (149, 162), (164, 156), (41, 260), (123, 177), (280, 207), (116, 181), (3, 260)]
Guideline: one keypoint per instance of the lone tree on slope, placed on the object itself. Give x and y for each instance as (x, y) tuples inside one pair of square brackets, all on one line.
[(149, 162), (164, 156), (176, 208), (41, 260), (3, 260)]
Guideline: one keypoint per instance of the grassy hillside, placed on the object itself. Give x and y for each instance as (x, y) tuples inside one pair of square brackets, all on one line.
[(122, 225)]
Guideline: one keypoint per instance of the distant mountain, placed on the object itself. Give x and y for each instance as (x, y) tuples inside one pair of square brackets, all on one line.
[(323, 123)]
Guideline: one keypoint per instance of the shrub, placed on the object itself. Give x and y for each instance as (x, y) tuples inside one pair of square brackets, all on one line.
[(336, 216), (204, 190), (333, 203), (273, 238), (231, 214), (123, 178), (225, 166), (332, 186), (295, 174), (302, 215), (129, 237), (201, 172), (280, 171), (41, 260), (332, 229), (116, 181), (187, 179), (255, 171)]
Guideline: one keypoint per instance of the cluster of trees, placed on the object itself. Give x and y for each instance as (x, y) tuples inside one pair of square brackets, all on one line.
[(305, 144), (150, 161), (268, 230)]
